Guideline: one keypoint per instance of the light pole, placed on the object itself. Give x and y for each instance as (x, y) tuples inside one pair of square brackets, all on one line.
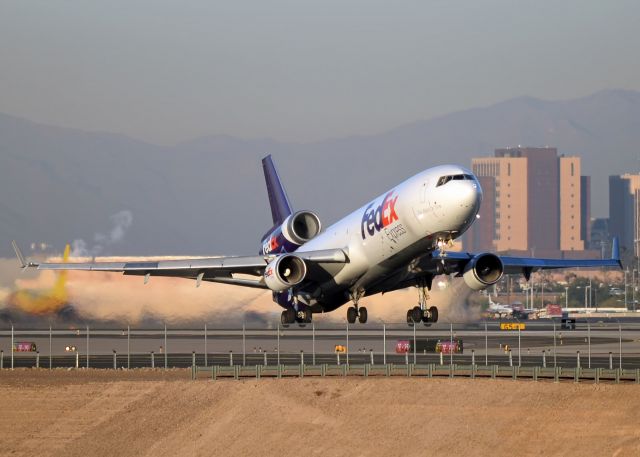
[(633, 288), (626, 305), (585, 295)]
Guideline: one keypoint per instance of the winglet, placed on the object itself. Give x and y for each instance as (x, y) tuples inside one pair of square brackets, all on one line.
[(21, 258), (615, 250)]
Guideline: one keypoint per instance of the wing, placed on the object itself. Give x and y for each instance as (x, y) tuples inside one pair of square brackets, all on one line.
[(527, 265), (425, 268), (213, 269)]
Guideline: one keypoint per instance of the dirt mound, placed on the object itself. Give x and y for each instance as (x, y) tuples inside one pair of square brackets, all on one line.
[(141, 412)]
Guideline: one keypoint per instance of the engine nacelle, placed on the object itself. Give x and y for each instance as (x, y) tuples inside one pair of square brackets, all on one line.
[(483, 271), (296, 230), (284, 272), (300, 227)]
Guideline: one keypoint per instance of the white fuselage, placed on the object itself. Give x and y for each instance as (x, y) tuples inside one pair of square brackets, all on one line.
[(401, 225)]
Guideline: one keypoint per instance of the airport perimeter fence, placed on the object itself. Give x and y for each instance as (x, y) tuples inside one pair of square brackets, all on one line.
[(608, 344)]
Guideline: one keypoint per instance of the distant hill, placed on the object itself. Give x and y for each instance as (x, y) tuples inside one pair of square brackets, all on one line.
[(207, 196)]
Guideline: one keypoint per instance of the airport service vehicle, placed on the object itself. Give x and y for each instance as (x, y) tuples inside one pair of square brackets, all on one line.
[(397, 240)]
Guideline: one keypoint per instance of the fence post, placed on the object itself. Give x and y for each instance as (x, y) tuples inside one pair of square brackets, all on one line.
[(589, 341), (115, 365), (230, 358), (278, 337), (77, 359), (578, 360), (486, 345), (206, 358), (414, 344), (347, 343), (473, 357), (166, 349), (12, 347), (554, 343), (544, 358), (1, 360), (128, 347), (87, 346), (510, 359), (610, 360), (620, 346), (244, 344), (384, 344), (37, 359), (519, 357), (371, 355), (50, 355), (153, 361), (193, 365), (441, 358), (301, 357), (406, 358), (338, 356), (313, 343), (265, 358)]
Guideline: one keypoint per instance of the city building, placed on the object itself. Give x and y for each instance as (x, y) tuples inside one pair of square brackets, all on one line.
[(600, 237), (624, 213), (534, 201)]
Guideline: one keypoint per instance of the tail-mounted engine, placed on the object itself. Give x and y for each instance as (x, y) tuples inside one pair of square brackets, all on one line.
[(284, 272), (297, 229), (483, 271)]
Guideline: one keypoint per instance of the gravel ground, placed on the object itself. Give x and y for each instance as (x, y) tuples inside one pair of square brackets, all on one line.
[(158, 413)]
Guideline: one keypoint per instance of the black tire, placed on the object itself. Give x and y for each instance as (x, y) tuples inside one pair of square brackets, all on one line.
[(351, 315), (362, 315), (409, 320), (416, 314), (283, 318), (290, 315), (433, 311), (308, 316)]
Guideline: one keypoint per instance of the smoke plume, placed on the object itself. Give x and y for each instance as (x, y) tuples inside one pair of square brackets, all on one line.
[(121, 221)]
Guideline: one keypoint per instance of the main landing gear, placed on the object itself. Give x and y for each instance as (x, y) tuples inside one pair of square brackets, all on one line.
[(356, 312), (421, 313), (290, 316)]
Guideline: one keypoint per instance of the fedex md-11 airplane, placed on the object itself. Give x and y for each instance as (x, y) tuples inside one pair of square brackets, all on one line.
[(395, 241)]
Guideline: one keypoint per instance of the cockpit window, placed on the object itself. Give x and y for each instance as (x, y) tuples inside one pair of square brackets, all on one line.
[(445, 179)]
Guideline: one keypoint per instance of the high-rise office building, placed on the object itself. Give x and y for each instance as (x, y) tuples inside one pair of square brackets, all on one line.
[(585, 210), (532, 202), (624, 210)]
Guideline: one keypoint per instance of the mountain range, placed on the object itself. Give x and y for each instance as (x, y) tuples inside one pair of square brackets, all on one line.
[(207, 196)]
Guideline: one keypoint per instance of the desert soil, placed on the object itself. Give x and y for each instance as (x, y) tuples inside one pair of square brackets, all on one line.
[(157, 413)]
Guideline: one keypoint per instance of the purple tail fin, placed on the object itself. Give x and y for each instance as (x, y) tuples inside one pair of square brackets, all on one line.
[(280, 207)]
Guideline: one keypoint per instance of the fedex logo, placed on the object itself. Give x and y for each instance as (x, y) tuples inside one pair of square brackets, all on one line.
[(271, 245), (374, 220)]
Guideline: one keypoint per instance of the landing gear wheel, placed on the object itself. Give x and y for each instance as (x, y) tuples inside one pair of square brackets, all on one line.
[(416, 314), (352, 314), (433, 314), (288, 316), (305, 317), (362, 315), (409, 318)]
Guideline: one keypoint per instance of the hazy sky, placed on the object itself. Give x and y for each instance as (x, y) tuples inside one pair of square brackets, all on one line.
[(166, 71)]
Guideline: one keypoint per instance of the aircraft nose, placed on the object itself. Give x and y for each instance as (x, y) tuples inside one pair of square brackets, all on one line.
[(468, 194)]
